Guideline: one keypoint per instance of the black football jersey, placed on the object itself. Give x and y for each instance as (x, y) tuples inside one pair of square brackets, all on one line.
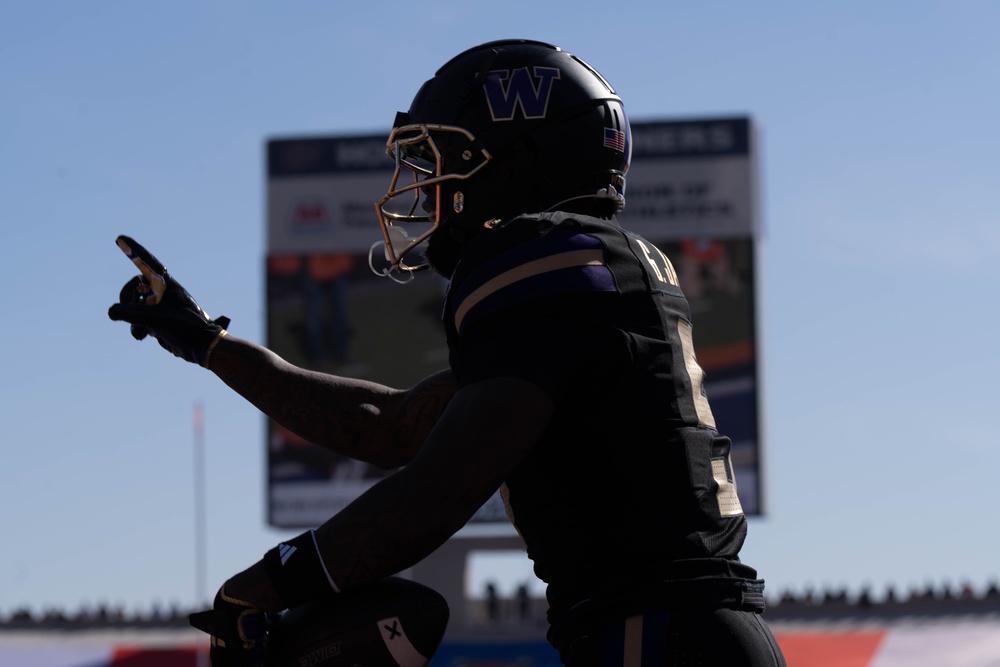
[(629, 500)]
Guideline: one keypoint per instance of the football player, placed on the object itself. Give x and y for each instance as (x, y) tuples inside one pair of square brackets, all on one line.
[(572, 386)]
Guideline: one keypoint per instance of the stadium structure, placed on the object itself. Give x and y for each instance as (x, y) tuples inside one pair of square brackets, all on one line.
[(933, 627)]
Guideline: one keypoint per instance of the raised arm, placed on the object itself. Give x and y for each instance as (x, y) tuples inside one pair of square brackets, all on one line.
[(356, 418)]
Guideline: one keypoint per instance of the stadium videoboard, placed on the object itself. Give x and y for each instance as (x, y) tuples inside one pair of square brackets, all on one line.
[(692, 190)]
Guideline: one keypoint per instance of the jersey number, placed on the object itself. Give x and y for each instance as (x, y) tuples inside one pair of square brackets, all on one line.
[(658, 262)]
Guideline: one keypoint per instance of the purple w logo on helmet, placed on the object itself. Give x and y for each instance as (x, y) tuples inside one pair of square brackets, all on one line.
[(507, 90)]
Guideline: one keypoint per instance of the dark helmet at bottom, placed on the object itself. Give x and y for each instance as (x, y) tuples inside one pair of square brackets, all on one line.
[(505, 128)]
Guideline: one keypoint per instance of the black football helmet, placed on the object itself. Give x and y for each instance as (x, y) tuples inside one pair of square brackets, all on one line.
[(504, 128)]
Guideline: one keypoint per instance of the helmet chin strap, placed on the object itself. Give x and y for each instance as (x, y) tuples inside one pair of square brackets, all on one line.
[(608, 192)]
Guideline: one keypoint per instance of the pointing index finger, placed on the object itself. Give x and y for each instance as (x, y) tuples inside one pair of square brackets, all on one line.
[(152, 270)]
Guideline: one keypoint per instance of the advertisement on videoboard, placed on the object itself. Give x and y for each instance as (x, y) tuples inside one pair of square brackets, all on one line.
[(691, 190)]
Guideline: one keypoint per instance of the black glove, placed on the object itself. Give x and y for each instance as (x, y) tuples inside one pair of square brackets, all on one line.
[(239, 631), (156, 304)]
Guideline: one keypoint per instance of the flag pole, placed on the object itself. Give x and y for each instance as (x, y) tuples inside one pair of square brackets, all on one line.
[(200, 524)]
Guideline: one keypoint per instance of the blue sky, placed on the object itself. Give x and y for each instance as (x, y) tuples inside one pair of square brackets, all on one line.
[(880, 261)]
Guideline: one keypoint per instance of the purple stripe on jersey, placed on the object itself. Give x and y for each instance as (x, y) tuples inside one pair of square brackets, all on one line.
[(553, 243), (576, 279)]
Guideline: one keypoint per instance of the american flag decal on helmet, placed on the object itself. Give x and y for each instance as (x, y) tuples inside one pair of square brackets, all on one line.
[(614, 139)]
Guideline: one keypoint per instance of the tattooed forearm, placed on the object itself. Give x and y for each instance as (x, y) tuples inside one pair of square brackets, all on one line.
[(419, 410), (354, 418)]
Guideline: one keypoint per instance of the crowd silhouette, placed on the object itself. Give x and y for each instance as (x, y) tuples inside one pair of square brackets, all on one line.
[(932, 598)]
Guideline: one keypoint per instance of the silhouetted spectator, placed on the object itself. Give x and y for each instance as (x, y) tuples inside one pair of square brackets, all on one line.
[(523, 602), (22, 615), (492, 602), (789, 597), (865, 599), (946, 591)]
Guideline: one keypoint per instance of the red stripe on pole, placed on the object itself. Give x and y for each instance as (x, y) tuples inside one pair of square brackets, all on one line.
[(199, 418)]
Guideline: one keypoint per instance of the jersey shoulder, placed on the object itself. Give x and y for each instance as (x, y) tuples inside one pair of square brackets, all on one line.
[(531, 260)]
